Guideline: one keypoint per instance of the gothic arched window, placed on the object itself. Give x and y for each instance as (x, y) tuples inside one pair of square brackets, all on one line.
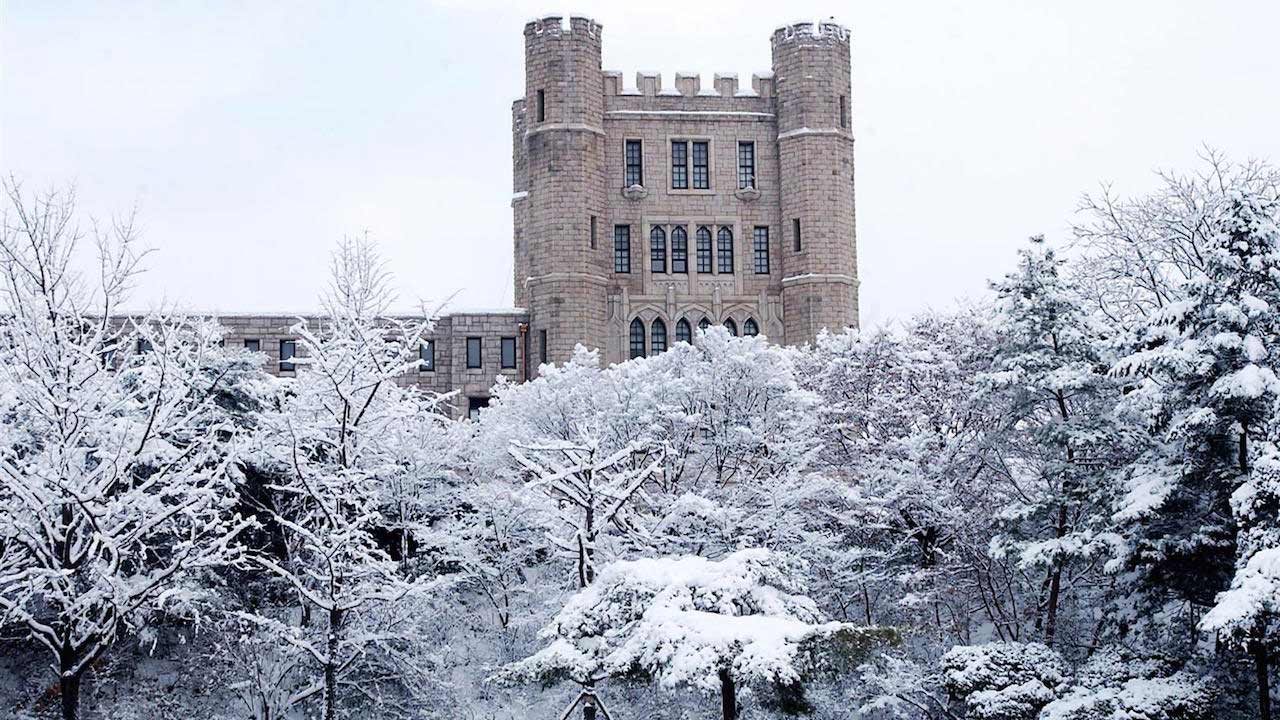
[(684, 331), (731, 326), (724, 251), (658, 250), (749, 328), (703, 324), (658, 336), (703, 239), (637, 339), (679, 250)]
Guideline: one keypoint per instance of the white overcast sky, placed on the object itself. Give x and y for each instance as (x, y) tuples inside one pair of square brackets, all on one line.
[(254, 135)]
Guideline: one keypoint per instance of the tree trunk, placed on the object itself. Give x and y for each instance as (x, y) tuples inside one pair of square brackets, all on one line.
[(1262, 666), (728, 696), (1055, 583), (69, 688), (331, 667)]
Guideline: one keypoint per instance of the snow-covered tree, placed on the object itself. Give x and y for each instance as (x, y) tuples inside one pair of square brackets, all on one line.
[(710, 625), (114, 487), (1003, 681)]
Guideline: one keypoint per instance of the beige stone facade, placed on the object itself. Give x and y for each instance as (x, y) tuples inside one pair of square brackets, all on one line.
[(575, 192)]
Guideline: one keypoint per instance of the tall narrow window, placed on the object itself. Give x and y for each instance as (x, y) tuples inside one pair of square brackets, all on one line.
[(684, 331), (635, 164), (795, 233), (746, 165), (704, 323), (679, 250), (622, 248), (760, 249), (288, 349), (658, 336), (844, 112), (679, 165), (475, 358), (542, 105), (593, 232), (724, 251), (750, 328), (731, 326), (703, 239), (701, 166), (658, 250), (427, 356), (542, 346), (637, 339), (508, 353), (253, 345)]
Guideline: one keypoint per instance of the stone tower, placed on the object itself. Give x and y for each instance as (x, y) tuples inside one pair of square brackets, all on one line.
[(560, 253), (815, 153)]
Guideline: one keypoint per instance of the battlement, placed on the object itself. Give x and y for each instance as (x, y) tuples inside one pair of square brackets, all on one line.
[(554, 26), (811, 32), (689, 84)]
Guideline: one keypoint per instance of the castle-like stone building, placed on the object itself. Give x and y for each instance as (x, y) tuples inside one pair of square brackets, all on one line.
[(642, 214)]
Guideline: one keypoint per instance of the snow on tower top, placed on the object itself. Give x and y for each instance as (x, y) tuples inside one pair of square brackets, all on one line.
[(811, 32)]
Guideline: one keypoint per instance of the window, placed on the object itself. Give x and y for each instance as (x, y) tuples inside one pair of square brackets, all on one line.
[(288, 349), (679, 165), (474, 355), (144, 346), (508, 353), (253, 345), (795, 233), (703, 324), (635, 164), (658, 250), (746, 165), (749, 328), (622, 248), (724, 251), (684, 331), (542, 105), (703, 240), (542, 346), (844, 112), (701, 166), (658, 336), (679, 250), (593, 232), (760, 249), (731, 326), (427, 356), (637, 339), (475, 405)]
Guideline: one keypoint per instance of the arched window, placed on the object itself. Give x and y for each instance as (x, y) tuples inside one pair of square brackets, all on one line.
[(749, 328), (684, 331), (637, 339), (724, 251), (703, 324), (731, 326), (703, 240), (679, 250), (658, 250), (658, 336)]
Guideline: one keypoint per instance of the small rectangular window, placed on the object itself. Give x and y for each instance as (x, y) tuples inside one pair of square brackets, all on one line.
[(760, 249), (144, 346), (635, 164), (844, 112), (701, 166), (475, 405), (542, 105), (427, 356), (679, 165), (288, 349), (622, 248), (508, 353), (474, 356), (593, 232), (253, 345), (542, 346), (746, 165), (795, 233)]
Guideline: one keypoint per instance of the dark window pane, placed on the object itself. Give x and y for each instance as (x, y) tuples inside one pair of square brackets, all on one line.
[(746, 165), (724, 251), (475, 405), (795, 233), (637, 339), (658, 337), (634, 163), (593, 232), (474, 355), (703, 324), (679, 250), (701, 169), (844, 112), (542, 105), (658, 250), (622, 248), (542, 346), (427, 355), (703, 240), (749, 328), (679, 165), (508, 353), (731, 326), (684, 331), (253, 345), (288, 348), (760, 250), (144, 346)]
